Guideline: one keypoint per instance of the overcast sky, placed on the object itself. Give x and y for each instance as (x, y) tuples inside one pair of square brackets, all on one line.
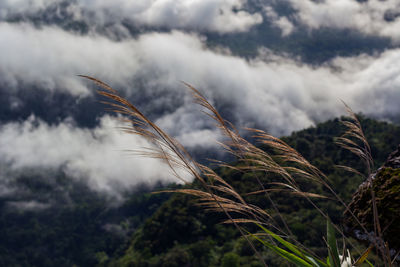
[(146, 48)]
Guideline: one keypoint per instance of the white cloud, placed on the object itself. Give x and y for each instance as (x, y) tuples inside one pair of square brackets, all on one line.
[(208, 15), (28, 205), (5, 190), (281, 95), (276, 93), (282, 22), (365, 16), (272, 92), (214, 15), (374, 83), (8, 7), (51, 58), (97, 154), (190, 127)]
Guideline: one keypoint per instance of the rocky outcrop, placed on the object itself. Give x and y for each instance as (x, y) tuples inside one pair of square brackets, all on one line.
[(394, 159), (385, 184)]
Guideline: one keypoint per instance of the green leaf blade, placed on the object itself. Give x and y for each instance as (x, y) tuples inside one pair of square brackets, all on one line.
[(334, 259)]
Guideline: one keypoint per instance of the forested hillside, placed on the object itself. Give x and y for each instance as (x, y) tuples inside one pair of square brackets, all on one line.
[(182, 234), (62, 222), (87, 228)]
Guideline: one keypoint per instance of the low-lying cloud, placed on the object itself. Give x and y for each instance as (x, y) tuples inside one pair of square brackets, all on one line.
[(221, 16), (52, 58), (28, 205), (372, 17), (8, 7), (98, 154), (281, 22), (272, 92)]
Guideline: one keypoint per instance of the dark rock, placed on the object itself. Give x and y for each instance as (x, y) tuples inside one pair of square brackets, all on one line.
[(394, 159), (385, 184)]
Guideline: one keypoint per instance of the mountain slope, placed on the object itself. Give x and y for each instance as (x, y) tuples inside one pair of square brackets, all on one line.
[(182, 234)]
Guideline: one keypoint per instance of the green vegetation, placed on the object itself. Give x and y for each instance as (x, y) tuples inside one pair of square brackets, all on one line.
[(194, 228), (73, 225)]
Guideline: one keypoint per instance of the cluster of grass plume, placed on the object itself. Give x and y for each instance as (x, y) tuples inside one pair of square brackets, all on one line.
[(216, 194)]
